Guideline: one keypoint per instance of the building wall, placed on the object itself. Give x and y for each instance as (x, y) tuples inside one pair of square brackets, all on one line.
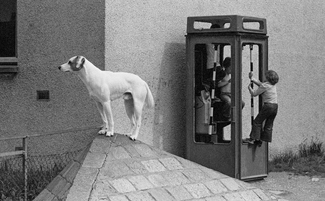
[(147, 38), (49, 33)]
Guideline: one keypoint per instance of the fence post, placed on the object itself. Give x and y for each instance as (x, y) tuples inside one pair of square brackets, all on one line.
[(25, 166)]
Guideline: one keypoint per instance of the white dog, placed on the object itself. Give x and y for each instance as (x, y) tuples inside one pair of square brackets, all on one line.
[(106, 86)]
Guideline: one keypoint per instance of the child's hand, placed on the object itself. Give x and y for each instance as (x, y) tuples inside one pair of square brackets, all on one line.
[(250, 75), (249, 87)]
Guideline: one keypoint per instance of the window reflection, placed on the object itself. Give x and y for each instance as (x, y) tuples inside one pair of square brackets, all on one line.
[(8, 28)]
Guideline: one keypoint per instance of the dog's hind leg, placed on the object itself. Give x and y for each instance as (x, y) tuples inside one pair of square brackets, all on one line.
[(103, 116), (108, 113), (129, 107), (138, 106)]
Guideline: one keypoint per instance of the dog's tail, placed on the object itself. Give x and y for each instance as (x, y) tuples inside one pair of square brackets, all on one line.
[(149, 99)]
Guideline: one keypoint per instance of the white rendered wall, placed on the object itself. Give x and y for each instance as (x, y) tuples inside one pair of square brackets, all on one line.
[(147, 38)]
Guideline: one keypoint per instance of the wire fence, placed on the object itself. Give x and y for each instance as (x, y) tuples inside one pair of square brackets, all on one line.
[(26, 168)]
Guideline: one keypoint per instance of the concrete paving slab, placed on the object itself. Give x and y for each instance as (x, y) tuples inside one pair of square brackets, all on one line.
[(119, 169)]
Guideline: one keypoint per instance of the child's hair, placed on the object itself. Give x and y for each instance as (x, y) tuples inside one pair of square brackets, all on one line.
[(226, 62), (272, 77)]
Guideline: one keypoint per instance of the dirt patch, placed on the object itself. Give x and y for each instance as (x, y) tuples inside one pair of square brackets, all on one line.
[(295, 187), (297, 176)]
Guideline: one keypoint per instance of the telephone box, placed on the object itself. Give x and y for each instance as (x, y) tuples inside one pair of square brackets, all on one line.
[(221, 51)]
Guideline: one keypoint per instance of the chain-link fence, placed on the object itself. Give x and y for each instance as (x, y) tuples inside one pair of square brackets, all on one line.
[(46, 156)]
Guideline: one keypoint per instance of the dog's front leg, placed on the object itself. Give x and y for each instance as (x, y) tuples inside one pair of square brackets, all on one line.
[(108, 113), (103, 128)]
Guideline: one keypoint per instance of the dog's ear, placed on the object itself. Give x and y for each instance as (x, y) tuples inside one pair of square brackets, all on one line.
[(80, 62)]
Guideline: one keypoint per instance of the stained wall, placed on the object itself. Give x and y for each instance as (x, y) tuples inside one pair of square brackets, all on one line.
[(48, 34), (148, 38)]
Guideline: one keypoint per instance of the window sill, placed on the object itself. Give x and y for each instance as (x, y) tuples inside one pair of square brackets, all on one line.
[(8, 69), (8, 65)]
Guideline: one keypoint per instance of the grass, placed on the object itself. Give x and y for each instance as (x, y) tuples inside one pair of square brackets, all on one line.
[(12, 183), (41, 171), (308, 160)]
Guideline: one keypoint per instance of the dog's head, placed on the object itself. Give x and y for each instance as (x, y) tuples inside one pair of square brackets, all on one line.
[(75, 63)]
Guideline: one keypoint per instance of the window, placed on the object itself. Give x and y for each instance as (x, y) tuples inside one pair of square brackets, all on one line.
[(212, 111), (8, 35)]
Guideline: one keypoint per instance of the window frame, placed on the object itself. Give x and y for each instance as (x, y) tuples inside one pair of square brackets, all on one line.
[(10, 64)]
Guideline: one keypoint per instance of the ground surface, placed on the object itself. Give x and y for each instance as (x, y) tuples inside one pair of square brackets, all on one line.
[(294, 187)]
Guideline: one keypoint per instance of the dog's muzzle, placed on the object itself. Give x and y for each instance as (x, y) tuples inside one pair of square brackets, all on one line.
[(61, 68)]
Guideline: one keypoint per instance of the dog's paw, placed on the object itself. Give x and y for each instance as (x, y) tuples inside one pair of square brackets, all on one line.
[(102, 132), (132, 137), (109, 134)]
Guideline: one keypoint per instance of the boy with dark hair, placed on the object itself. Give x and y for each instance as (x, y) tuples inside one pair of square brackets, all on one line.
[(225, 89)]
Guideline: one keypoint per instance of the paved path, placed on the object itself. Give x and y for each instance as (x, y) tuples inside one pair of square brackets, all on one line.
[(118, 169)]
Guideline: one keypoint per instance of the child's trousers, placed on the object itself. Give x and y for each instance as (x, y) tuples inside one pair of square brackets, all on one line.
[(267, 114)]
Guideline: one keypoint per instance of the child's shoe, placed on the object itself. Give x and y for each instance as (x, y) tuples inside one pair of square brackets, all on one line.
[(249, 140), (258, 143)]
